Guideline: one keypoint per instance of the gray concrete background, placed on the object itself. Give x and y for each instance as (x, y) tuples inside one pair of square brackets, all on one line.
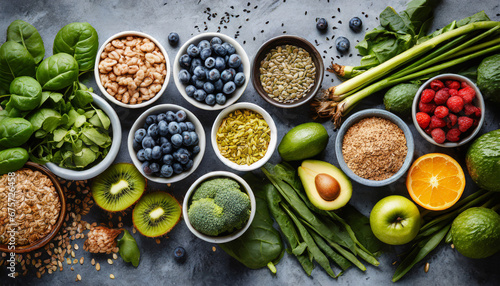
[(204, 266)]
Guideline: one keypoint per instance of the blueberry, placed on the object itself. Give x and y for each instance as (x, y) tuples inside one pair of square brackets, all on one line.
[(200, 72), (184, 151), (188, 165), (234, 61), (176, 155), (176, 140), (170, 116), (146, 169), (183, 159), (148, 154), (173, 127), (239, 79), (156, 152), (220, 98), (163, 140), (198, 83), (173, 39), (194, 137), (166, 148), (342, 44), (177, 168), (200, 95), (190, 126), (150, 119), (215, 41), (186, 138), (213, 75), (209, 63), (184, 76), (141, 155), (139, 134), (193, 51), (161, 117), (229, 88), (196, 149), (148, 142), (179, 254), (166, 171), (190, 89), (219, 85), (208, 87), (136, 145), (355, 24), (168, 159), (226, 58), (240, 69), (155, 168), (195, 63), (180, 115), (229, 48), (226, 76), (205, 53), (210, 99), (163, 128), (322, 24), (204, 44), (153, 130), (185, 61), (183, 126), (220, 63), (220, 50)]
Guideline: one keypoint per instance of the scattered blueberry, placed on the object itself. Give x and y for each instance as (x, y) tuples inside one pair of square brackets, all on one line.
[(239, 79), (226, 76), (229, 88), (148, 154), (200, 72), (150, 119), (193, 51), (148, 142), (205, 53), (209, 87), (200, 95), (177, 168), (209, 62), (322, 24), (220, 98), (342, 44), (155, 167), (139, 134), (180, 254), (190, 89), (185, 61), (210, 99), (180, 115), (156, 153), (355, 24), (173, 127), (213, 75), (176, 140), (184, 76), (173, 39), (166, 171), (146, 169), (216, 40), (141, 155)]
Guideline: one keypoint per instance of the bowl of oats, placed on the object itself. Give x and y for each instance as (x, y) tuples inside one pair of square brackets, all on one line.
[(32, 208)]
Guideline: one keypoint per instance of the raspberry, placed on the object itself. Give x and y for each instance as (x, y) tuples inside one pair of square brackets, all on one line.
[(469, 109), (464, 84), (437, 122), (423, 119), (441, 111), (437, 84), (478, 112), (438, 135), (452, 120), (426, 107), (455, 104), (467, 94), (452, 84), (464, 123), (453, 135), (453, 92), (441, 96), (427, 95), (428, 131)]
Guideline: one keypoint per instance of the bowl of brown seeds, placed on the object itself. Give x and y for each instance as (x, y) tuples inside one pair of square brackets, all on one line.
[(287, 71), (32, 208)]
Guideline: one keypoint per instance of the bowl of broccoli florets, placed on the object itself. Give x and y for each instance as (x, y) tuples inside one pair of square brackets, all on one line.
[(219, 207)]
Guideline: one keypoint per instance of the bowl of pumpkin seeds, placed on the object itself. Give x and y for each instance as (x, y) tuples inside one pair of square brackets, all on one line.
[(244, 136), (287, 71)]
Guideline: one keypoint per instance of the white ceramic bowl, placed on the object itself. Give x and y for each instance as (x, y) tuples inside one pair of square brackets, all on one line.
[(244, 61), (270, 148), (139, 123), (116, 129), (112, 98), (187, 199), (478, 102)]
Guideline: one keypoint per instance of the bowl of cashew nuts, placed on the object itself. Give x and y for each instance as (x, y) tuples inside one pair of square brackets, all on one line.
[(132, 69)]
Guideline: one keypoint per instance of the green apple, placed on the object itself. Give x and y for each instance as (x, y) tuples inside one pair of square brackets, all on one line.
[(395, 220)]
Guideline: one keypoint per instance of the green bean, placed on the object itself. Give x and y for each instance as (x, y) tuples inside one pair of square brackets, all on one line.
[(337, 258)]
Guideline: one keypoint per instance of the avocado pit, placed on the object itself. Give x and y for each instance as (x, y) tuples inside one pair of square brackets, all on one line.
[(327, 186)]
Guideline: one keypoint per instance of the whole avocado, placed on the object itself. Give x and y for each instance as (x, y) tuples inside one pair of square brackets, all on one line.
[(303, 141), (488, 78), (399, 98), (483, 161)]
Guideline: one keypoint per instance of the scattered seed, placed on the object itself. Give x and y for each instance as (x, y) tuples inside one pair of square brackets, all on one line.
[(97, 266), (158, 241), (214, 249), (81, 260), (115, 256), (110, 261), (426, 269), (92, 262), (78, 277), (111, 276)]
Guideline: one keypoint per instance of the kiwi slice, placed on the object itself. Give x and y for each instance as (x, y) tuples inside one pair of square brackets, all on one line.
[(119, 187), (156, 214)]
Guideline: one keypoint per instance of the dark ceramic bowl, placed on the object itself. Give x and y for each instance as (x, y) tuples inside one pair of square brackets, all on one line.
[(62, 214), (287, 40)]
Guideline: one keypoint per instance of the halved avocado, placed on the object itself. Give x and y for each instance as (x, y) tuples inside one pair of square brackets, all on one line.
[(327, 187)]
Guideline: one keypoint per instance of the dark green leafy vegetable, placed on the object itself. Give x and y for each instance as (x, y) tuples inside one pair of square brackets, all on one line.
[(45, 118), (79, 40), (14, 132), (12, 159), (129, 251), (360, 224), (15, 61), (57, 72), (26, 94), (25, 34)]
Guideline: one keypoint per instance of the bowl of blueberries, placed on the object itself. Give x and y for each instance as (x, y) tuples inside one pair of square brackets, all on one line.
[(211, 71), (166, 143)]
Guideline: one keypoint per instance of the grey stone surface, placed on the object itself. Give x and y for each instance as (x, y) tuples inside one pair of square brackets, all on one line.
[(204, 266)]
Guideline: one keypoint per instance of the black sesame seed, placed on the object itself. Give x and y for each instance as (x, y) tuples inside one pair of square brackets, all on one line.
[(267, 22), (340, 22), (305, 13), (338, 9), (366, 16), (248, 4)]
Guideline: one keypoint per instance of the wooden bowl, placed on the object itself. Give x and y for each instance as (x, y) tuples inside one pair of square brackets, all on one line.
[(62, 214), (288, 40)]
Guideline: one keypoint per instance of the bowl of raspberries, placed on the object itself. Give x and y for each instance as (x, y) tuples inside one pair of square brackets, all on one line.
[(448, 110)]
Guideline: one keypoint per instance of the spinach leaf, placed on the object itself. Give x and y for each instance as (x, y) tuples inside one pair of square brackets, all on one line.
[(15, 61), (129, 251), (24, 33), (360, 224), (26, 93), (54, 97), (12, 159), (84, 158), (81, 98), (14, 132), (79, 40), (478, 17), (39, 117), (57, 72), (98, 138)]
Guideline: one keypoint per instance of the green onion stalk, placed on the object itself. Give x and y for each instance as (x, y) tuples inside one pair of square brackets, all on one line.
[(432, 56)]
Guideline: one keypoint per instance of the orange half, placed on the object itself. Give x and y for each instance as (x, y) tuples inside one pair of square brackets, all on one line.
[(435, 181)]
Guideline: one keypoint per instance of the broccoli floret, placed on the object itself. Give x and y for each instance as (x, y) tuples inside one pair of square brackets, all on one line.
[(219, 208)]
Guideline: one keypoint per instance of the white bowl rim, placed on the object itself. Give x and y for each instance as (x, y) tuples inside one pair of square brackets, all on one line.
[(110, 157), (479, 99), (112, 98), (190, 117), (272, 143), (234, 235), (245, 61)]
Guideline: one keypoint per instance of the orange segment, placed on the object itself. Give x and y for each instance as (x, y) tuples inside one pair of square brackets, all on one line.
[(435, 181)]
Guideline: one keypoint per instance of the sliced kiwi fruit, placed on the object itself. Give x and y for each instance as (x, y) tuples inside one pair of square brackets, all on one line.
[(119, 187), (156, 214)]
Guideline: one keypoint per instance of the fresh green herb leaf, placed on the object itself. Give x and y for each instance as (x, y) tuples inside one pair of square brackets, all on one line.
[(129, 250)]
